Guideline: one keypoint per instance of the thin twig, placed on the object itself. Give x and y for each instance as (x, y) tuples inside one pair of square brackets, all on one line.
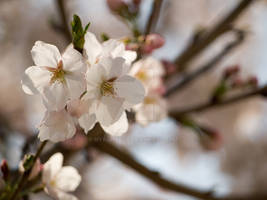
[(63, 16), (188, 78), (27, 173), (208, 37), (211, 104), (154, 15)]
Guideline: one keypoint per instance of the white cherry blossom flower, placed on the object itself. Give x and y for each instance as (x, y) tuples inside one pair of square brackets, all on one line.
[(57, 126), (152, 109), (149, 71), (59, 180), (109, 92), (94, 50), (56, 78)]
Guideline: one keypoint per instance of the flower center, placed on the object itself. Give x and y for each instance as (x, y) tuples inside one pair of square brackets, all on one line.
[(141, 75), (58, 74), (106, 88), (149, 100)]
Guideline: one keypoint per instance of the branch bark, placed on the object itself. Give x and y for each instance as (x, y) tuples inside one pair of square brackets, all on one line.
[(205, 106), (154, 15), (207, 67), (209, 36)]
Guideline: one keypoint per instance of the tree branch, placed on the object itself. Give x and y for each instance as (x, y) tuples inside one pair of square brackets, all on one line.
[(63, 16), (154, 15), (209, 36), (127, 159), (210, 104), (207, 67)]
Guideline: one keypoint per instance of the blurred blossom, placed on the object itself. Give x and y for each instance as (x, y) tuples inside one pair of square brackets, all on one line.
[(152, 41), (59, 180)]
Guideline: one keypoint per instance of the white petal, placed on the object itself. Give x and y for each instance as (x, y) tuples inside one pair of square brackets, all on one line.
[(87, 122), (35, 79), (109, 110), (57, 126), (57, 194), (68, 179), (119, 127), (94, 77), (114, 67), (116, 48), (92, 47), (130, 88), (73, 61), (52, 167), (55, 96), (44, 54), (76, 85)]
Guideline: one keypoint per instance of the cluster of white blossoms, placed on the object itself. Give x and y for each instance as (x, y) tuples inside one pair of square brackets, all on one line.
[(154, 107), (83, 88)]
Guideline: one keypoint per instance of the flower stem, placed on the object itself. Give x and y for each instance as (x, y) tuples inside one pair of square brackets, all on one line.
[(27, 173)]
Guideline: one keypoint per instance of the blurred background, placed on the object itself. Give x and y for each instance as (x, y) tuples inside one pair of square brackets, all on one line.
[(238, 167)]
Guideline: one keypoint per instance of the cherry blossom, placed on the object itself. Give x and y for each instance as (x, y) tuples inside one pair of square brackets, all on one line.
[(59, 180), (57, 126), (94, 50), (152, 109), (56, 78), (109, 92)]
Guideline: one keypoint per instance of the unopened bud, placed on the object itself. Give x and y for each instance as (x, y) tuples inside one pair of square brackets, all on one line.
[(155, 40), (169, 66), (79, 141), (26, 163), (132, 46), (253, 81), (211, 139), (230, 71), (116, 5), (5, 170)]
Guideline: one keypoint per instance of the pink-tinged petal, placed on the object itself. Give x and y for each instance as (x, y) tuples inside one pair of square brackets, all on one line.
[(130, 89), (35, 79), (55, 96), (57, 126), (44, 54), (119, 127), (52, 167), (92, 48), (68, 179), (109, 110), (113, 67), (87, 122)]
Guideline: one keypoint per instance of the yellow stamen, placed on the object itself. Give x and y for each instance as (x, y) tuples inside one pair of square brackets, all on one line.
[(149, 100), (57, 73), (107, 88), (141, 75)]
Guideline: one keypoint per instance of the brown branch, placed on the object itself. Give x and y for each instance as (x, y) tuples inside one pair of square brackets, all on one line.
[(126, 158), (210, 104), (154, 15), (209, 36), (207, 67), (63, 16)]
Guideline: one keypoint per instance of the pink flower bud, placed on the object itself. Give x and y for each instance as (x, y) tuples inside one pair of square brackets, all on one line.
[(169, 66), (5, 170), (237, 82), (115, 5), (155, 40), (253, 81), (77, 142), (230, 71), (132, 46), (211, 140), (136, 2)]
